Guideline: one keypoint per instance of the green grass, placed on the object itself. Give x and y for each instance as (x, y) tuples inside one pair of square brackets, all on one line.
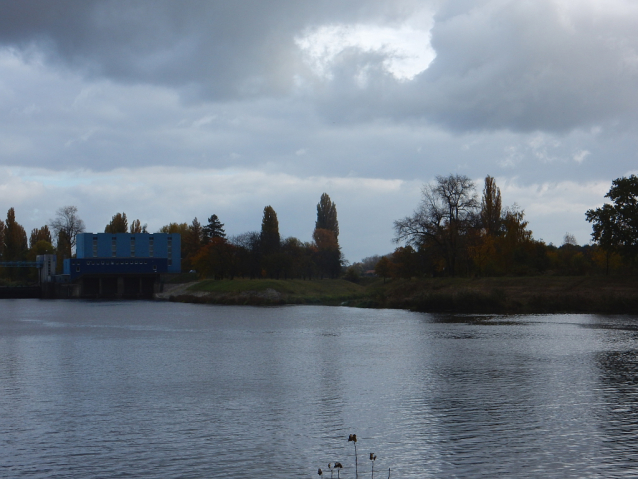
[(292, 291)]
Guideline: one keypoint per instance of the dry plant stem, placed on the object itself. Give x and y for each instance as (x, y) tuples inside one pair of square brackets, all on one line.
[(356, 461)]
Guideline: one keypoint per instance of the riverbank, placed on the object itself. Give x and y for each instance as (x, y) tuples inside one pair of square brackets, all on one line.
[(539, 294)]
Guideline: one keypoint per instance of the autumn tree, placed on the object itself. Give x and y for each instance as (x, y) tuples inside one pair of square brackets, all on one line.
[(383, 268), (40, 248), (269, 237), (67, 220), (40, 234), (217, 259), (138, 227), (192, 241), (270, 243), (248, 250), (15, 239), (175, 228), (404, 262), (328, 252), (118, 224)]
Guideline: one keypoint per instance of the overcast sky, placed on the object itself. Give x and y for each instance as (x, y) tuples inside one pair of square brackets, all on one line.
[(172, 110)]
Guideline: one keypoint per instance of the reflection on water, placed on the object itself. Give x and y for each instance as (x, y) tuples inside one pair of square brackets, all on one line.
[(90, 389)]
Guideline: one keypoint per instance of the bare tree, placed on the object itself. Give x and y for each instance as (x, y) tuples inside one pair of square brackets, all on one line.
[(67, 221), (448, 209)]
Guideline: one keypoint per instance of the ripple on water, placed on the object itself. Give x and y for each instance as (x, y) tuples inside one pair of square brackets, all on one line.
[(146, 389)]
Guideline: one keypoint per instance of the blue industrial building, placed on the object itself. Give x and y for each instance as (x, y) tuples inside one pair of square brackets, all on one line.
[(122, 264)]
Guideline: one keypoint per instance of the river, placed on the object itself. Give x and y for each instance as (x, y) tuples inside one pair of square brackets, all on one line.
[(167, 390)]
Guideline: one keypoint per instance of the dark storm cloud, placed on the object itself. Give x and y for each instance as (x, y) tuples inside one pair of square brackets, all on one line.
[(523, 66), (219, 49)]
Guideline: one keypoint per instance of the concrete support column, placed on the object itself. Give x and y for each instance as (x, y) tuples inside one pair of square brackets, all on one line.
[(120, 286)]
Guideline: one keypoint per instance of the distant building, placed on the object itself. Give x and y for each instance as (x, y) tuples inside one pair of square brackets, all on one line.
[(122, 264)]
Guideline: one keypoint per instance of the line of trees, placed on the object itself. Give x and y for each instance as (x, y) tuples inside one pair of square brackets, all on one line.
[(15, 246), (453, 232), (259, 254), (205, 248)]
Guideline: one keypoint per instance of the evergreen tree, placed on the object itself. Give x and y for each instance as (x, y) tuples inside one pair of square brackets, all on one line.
[(214, 229)]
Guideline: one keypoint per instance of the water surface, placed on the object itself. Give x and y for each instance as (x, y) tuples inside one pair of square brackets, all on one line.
[(163, 390)]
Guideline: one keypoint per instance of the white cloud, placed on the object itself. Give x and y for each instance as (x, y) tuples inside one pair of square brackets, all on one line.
[(580, 156), (406, 48)]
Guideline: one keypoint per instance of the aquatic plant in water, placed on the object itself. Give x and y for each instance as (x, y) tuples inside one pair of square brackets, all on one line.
[(337, 465), (353, 438)]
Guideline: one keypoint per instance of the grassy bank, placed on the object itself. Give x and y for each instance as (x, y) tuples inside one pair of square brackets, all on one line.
[(272, 291), (540, 294)]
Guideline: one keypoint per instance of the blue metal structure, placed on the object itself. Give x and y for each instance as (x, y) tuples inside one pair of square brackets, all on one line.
[(131, 245), (124, 254)]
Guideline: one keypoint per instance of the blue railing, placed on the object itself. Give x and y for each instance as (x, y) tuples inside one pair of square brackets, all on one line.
[(21, 264)]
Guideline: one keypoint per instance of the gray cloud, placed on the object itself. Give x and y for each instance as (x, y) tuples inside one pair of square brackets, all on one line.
[(546, 65), (219, 50)]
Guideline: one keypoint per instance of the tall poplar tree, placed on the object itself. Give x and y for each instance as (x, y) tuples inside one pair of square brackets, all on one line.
[(15, 239), (327, 215), (138, 227), (269, 237), (491, 207)]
